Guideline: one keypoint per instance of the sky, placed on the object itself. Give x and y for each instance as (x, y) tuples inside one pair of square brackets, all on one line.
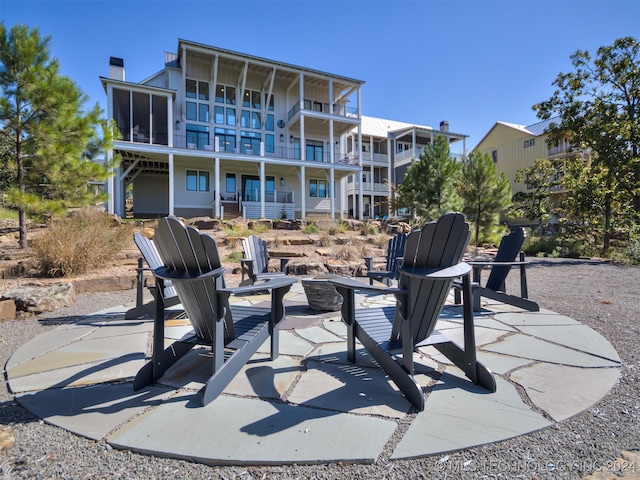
[(471, 63)]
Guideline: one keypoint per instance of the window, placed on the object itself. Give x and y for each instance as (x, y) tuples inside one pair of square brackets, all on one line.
[(269, 124), (196, 111), (192, 111), (197, 181), (526, 143), (494, 156), (231, 183), (269, 141), (226, 139), (532, 142), (315, 151), (197, 135), (318, 188), (191, 88), (203, 114), (219, 115)]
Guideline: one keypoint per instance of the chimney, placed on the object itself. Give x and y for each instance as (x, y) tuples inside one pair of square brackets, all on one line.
[(116, 68), (444, 126)]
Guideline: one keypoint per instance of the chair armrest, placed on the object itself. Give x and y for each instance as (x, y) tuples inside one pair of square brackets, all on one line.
[(354, 284), (454, 271), (271, 284), (167, 273), (477, 263)]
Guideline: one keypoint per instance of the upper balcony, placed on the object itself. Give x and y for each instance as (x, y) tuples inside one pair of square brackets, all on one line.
[(245, 148)]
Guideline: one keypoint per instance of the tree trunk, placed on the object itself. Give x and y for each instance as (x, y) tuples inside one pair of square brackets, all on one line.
[(607, 224), (22, 215)]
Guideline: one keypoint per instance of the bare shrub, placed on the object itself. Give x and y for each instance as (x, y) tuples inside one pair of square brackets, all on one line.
[(381, 240), (346, 252), (324, 240), (74, 245)]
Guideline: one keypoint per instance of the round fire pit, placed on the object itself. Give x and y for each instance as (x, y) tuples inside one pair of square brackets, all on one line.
[(321, 294)]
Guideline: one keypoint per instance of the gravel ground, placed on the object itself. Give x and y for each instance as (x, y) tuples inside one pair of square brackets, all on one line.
[(603, 296)]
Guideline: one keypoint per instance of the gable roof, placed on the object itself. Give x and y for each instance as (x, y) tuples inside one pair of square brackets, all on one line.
[(535, 129)]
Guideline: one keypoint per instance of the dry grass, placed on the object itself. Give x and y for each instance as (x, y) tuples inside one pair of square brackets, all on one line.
[(84, 241)]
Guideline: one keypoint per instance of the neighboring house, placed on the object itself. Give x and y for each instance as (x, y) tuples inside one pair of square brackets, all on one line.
[(513, 147), (388, 148), (223, 134)]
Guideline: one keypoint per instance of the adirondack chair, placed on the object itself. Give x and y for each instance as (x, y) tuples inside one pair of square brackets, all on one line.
[(392, 334), (151, 257), (504, 261), (395, 250), (256, 260), (235, 333)]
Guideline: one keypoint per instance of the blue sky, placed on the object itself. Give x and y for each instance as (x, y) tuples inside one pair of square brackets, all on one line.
[(471, 63)]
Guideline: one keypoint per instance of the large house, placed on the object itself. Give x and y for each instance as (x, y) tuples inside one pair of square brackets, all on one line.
[(514, 147), (221, 133), (388, 148)]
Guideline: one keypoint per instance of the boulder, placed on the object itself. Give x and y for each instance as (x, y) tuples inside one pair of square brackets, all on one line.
[(312, 267), (346, 268), (321, 294), (7, 309), (38, 299)]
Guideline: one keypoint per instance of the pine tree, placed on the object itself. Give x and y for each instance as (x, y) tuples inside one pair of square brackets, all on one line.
[(54, 142)]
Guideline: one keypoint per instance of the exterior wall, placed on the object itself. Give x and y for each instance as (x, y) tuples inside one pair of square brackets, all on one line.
[(151, 196), (512, 155)]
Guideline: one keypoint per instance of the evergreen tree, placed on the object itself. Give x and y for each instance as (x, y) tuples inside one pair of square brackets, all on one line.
[(484, 194), (535, 201), (598, 106), (54, 142), (428, 188)]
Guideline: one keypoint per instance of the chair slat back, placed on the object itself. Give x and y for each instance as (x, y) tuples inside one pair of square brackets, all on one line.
[(185, 249), (151, 256), (439, 244), (256, 249), (395, 250), (508, 251)]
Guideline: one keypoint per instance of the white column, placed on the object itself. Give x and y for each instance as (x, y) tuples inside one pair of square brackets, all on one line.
[(216, 199), (263, 186), (171, 182), (332, 194), (361, 199), (303, 192)]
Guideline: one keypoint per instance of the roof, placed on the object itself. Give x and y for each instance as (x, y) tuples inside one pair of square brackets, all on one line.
[(265, 61), (380, 127), (535, 129)]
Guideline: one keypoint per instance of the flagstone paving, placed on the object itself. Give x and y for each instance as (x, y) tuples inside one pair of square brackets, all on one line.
[(307, 405)]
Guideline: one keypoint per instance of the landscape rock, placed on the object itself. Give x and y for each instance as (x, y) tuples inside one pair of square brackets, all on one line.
[(312, 267), (7, 309), (38, 299)]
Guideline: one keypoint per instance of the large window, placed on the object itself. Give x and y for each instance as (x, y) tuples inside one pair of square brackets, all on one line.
[(318, 188), (225, 94), (315, 150), (197, 111), (231, 183), (197, 136), (226, 138), (141, 117), (197, 181)]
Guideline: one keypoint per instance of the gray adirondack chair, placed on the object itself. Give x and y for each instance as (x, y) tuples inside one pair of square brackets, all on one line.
[(256, 260), (391, 334), (508, 256), (395, 250), (192, 264), (151, 257)]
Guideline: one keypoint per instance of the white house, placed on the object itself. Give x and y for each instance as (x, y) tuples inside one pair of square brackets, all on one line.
[(222, 134)]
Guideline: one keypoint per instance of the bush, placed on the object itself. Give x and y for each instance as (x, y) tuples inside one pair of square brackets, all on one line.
[(74, 245), (310, 228)]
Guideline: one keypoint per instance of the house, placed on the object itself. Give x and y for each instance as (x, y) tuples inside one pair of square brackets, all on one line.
[(514, 147), (222, 133), (388, 148)]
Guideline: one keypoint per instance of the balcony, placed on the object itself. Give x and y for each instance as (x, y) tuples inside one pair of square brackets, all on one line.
[(560, 149), (338, 109), (368, 188)]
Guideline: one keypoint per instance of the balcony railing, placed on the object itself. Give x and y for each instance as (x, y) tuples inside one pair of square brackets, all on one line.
[(338, 109), (560, 149), (368, 188)]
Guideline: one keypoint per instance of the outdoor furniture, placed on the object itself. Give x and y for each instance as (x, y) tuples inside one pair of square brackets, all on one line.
[(192, 264), (256, 260), (391, 334), (395, 250), (151, 257), (504, 261)]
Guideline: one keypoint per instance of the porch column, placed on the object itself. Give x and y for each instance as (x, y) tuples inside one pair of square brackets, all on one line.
[(303, 192), (171, 183), (263, 186), (359, 151), (332, 196), (216, 188)]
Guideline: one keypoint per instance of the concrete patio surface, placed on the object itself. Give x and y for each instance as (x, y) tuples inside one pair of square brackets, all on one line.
[(311, 405)]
